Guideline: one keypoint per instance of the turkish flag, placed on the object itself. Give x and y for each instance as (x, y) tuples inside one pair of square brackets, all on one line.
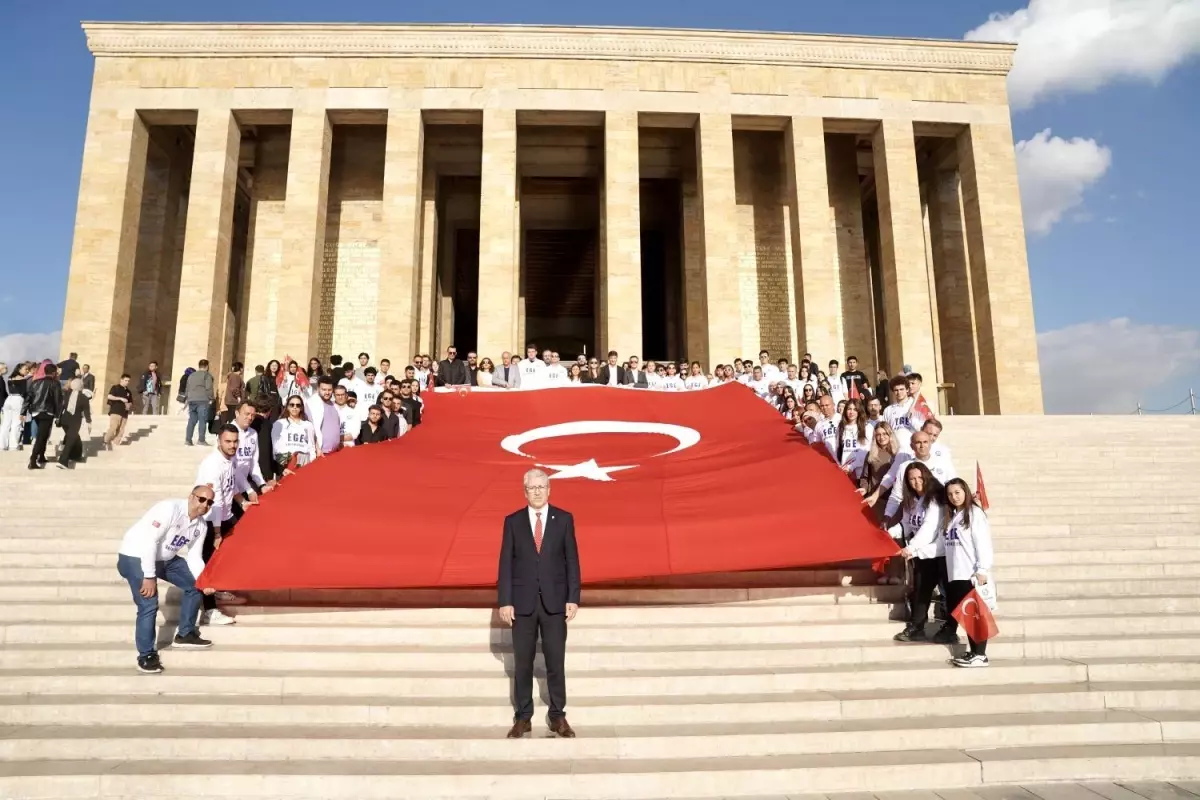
[(922, 408), (980, 489), (660, 483), (975, 617), (854, 395)]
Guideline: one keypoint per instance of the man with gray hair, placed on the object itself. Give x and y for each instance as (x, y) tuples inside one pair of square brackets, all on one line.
[(538, 591)]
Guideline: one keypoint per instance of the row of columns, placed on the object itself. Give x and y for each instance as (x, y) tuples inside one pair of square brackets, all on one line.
[(823, 206)]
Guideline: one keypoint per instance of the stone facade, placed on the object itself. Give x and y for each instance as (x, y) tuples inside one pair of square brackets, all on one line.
[(251, 191)]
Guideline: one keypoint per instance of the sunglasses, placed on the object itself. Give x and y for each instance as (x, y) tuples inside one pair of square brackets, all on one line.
[(207, 501), (295, 405)]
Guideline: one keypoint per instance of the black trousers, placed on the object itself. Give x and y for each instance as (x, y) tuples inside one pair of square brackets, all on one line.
[(209, 547), (956, 591), (45, 424), (553, 629), (927, 574), (72, 446)]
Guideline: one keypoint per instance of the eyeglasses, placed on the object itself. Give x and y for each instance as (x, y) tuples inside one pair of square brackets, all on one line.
[(537, 488), (208, 501)]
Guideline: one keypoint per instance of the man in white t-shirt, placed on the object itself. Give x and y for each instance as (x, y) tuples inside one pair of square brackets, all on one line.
[(821, 427), (893, 482), (531, 370), (217, 471), (933, 428), (349, 422), (764, 363), (759, 382), (149, 551), (900, 413)]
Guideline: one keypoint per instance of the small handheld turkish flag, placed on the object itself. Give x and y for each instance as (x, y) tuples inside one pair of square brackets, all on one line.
[(854, 395), (975, 618), (922, 407), (980, 489)]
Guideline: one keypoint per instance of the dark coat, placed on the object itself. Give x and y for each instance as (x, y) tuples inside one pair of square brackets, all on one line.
[(525, 574)]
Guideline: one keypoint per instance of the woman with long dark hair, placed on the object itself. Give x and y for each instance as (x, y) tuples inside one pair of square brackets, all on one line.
[(791, 408), (268, 387), (293, 438), (853, 440), (920, 519), (967, 538)]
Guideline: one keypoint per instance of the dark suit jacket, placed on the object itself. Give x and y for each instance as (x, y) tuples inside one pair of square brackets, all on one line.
[(525, 574), (602, 379), (636, 378), (453, 373)]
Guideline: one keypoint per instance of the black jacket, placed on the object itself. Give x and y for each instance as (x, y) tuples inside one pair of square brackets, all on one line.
[(368, 436), (43, 397), (525, 574), (157, 382), (83, 411), (411, 407), (602, 378), (453, 373)]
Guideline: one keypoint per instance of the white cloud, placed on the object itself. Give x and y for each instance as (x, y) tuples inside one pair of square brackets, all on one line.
[(16, 347), (1080, 45), (1054, 173), (1107, 367)]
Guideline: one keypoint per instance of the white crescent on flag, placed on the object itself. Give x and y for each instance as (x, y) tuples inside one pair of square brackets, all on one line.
[(684, 438)]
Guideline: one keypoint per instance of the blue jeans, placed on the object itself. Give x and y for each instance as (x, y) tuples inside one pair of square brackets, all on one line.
[(197, 415), (176, 572)]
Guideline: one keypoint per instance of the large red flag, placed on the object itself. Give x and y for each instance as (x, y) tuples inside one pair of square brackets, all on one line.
[(975, 617), (660, 483), (980, 489)]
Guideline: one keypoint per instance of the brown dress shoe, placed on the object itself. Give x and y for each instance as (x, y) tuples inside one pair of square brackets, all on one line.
[(560, 727), (519, 729)]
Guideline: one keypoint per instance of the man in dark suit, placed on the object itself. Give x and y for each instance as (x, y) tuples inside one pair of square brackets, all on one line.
[(634, 376), (452, 371), (538, 590), (612, 374)]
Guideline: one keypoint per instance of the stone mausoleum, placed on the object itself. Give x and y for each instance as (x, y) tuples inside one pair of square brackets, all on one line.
[(250, 191)]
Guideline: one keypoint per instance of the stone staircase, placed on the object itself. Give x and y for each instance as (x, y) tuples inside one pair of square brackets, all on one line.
[(767, 683)]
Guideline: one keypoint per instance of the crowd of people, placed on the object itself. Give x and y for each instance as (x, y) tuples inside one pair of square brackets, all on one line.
[(883, 435)]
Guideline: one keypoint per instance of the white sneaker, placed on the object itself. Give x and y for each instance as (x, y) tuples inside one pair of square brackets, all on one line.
[(216, 617), (971, 661)]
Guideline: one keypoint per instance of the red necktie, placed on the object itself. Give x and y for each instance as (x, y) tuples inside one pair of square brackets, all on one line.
[(537, 531)]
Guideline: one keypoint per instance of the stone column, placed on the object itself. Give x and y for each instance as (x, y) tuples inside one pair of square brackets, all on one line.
[(620, 279), (96, 322), (695, 310), (722, 296), (204, 281), (814, 249), (907, 314), (952, 281), (498, 259), (304, 212), (427, 292), (1008, 359), (400, 247), (854, 273)]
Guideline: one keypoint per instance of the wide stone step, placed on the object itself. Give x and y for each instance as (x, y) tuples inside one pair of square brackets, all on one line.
[(464, 744), (332, 633), (716, 685), (117, 656), (188, 707), (585, 779)]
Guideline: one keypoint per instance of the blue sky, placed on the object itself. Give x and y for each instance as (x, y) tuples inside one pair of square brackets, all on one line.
[(1109, 191)]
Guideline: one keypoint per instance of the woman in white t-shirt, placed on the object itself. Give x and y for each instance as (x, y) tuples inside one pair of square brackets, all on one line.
[(967, 538), (671, 381), (920, 519), (697, 379), (293, 436), (853, 440), (486, 370)]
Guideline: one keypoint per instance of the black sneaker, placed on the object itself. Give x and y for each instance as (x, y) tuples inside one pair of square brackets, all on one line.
[(191, 642), (945, 636), (149, 663), (910, 635)]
